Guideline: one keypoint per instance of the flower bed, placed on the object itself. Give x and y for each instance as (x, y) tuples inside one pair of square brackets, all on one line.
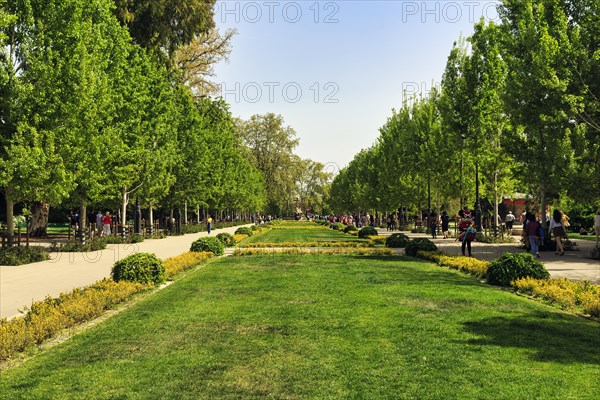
[(48, 317), (580, 296), (309, 244), (465, 264), (185, 261)]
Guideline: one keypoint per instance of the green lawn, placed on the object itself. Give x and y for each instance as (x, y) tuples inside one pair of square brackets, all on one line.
[(313, 233), (316, 326), (591, 236)]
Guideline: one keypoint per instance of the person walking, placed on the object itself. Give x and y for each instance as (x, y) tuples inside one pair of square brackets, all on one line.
[(531, 231), (509, 220), (209, 221), (432, 223), (466, 237), (445, 224), (558, 230), (106, 221), (99, 223)]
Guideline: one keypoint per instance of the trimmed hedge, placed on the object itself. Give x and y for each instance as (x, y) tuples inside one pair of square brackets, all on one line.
[(22, 255), (211, 244), (139, 267), (510, 267), (338, 226), (367, 231), (397, 240), (185, 261), (350, 228), (243, 230), (419, 244), (48, 317), (227, 239)]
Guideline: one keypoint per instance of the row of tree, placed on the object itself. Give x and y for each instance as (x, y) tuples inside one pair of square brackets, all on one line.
[(518, 110), (109, 99)]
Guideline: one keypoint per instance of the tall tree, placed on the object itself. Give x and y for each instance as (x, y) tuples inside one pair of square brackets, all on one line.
[(165, 25), (537, 51), (196, 60), (271, 147)]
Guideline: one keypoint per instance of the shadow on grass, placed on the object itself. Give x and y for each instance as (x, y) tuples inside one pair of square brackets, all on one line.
[(551, 336)]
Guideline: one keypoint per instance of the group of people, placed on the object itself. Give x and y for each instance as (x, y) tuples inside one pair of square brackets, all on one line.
[(533, 233), (357, 220), (102, 222)]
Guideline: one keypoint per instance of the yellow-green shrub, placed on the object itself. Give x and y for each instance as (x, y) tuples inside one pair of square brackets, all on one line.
[(46, 318), (571, 295), (308, 244), (465, 264), (174, 265), (239, 237), (378, 239)]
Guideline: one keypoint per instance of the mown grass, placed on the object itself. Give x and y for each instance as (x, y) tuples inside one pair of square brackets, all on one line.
[(298, 233), (322, 326)]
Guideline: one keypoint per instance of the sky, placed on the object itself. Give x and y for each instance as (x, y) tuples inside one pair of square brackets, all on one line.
[(335, 69)]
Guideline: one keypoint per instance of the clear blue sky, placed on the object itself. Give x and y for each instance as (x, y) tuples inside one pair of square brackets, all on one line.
[(335, 69)]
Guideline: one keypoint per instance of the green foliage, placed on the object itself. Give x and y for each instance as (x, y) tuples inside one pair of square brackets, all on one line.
[(139, 267), (75, 246), (367, 231), (397, 240), (510, 267), (244, 230), (22, 255), (413, 246), (227, 239), (209, 244), (338, 226), (350, 228)]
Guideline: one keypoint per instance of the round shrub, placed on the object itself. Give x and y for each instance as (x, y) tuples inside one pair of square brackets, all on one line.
[(139, 267), (210, 243), (510, 267), (350, 228), (227, 239), (367, 231), (412, 247), (396, 240), (243, 230), (338, 226), (254, 228)]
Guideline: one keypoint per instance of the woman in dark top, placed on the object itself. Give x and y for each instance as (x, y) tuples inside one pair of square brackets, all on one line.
[(445, 224)]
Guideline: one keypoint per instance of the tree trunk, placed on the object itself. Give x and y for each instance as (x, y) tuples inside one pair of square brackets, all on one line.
[(185, 219), (10, 220), (124, 202), (151, 218), (82, 218), (496, 203), (198, 215), (39, 219)]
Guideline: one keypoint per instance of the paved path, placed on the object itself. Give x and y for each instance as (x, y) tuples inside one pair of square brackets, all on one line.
[(573, 265), (23, 284)]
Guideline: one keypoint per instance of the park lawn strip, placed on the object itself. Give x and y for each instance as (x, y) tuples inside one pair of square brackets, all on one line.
[(301, 235), (317, 326)]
